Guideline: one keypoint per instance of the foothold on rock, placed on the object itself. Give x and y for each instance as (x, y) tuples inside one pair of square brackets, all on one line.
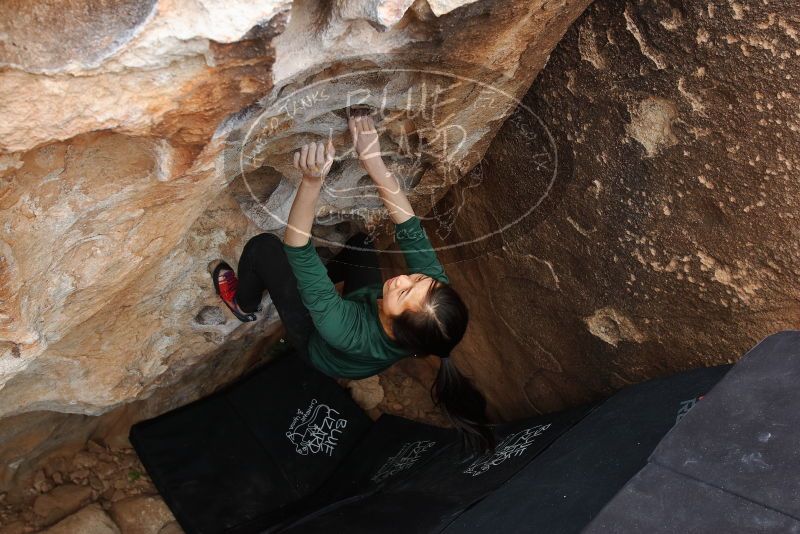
[(210, 315)]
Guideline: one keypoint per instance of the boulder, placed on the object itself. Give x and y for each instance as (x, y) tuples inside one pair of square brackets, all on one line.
[(367, 393), (639, 216), (60, 502), (135, 152), (90, 520), (145, 514), (171, 528)]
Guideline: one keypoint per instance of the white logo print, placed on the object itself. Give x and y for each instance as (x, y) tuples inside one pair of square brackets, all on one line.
[(409, 454), (685, 407), (513, 445), (316, 430)]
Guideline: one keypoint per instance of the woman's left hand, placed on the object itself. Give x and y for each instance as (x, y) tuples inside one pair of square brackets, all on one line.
[(314, 160)]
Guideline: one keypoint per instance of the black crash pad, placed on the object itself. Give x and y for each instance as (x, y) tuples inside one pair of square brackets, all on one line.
[(241, 459), (394, 447), (438, 489), (658, 501), (745, 437), (286, 450), (562, 489), (741, 440)]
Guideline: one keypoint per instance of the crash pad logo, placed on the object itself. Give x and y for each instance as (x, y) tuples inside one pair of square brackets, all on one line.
[(316, 430), (685, 407), (513, 445), (409, 454)]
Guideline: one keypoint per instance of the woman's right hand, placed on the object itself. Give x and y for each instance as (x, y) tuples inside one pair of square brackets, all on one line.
[(366, 145), (365, 142)]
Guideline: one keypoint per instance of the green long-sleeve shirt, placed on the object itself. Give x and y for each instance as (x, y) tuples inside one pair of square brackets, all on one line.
[(349, 341)]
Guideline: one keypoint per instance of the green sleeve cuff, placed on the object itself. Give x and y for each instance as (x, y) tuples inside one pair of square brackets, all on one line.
[(413, 222), (410, 231), (302, 248)]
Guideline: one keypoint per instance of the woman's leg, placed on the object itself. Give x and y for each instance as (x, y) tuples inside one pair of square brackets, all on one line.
[(356, 267), (263, 266)]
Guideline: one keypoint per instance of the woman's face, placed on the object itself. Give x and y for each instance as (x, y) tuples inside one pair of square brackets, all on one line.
[(405, 292)]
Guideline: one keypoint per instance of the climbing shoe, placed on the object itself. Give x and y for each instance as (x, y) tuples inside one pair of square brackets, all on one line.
[(225, 284)]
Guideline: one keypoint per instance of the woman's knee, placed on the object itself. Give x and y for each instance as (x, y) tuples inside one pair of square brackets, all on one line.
[(265, 241), (258, 247)]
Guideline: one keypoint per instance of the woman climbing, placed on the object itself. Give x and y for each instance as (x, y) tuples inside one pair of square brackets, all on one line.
[(376, 323)]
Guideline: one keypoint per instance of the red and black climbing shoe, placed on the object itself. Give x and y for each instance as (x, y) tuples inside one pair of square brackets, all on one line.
[(225, 284)]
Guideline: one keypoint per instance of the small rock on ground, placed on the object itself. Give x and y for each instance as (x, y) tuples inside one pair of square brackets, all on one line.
[(90, 520), (367, 393), (171, 528), (60, 502), (146, 514)]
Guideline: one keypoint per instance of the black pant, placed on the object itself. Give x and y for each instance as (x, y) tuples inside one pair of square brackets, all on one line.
[(263, 266)]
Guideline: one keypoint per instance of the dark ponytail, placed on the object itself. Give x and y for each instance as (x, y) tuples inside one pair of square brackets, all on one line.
[(436, 329)]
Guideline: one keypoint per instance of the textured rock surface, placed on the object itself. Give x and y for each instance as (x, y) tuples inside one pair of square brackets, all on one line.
[(61, 502), (108, 476), (368, 393), (90, 520), (141, 515), (171, 528), (668, 238), (121, 180)]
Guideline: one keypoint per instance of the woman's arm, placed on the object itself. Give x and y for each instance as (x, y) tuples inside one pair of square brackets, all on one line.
[(410, 236), (338, 321), (417, 250), (315, 162), (365, 142)]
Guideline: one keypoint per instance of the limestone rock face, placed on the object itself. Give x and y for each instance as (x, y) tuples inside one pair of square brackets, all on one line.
[(648, 199), (142, 140)]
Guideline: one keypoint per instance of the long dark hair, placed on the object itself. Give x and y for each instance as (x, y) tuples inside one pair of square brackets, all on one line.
[(436, 329)]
